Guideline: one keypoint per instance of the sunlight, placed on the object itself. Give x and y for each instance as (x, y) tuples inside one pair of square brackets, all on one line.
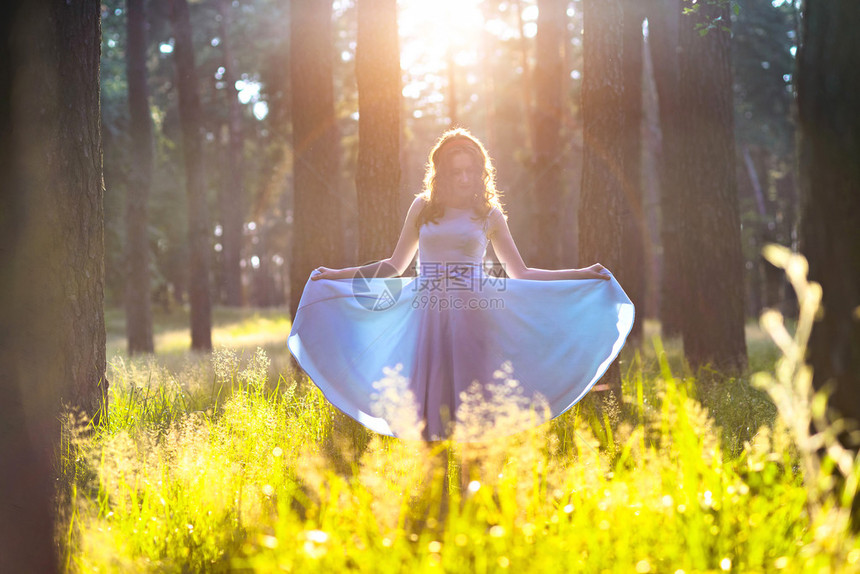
[(432, 33), (431, 29)]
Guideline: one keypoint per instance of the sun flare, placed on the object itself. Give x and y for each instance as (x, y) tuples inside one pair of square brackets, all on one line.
[(432, 34)]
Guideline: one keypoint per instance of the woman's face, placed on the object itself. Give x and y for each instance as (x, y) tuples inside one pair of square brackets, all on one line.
[(464, 176)]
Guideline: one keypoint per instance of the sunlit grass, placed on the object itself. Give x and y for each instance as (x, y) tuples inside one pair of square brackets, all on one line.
[(244, 330), (228, 463)]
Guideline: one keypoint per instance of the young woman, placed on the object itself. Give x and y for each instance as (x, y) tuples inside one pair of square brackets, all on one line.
[(399, 354)]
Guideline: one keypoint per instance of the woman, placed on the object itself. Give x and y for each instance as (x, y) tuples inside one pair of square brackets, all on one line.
[(398, 354)]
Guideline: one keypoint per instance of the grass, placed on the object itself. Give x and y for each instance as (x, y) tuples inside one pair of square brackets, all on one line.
[(232, 462)]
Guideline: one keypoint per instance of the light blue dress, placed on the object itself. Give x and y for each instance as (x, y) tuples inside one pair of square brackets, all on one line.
[(408, 356)]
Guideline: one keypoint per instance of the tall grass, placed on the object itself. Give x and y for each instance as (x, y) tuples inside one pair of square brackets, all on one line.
[(221, 465)]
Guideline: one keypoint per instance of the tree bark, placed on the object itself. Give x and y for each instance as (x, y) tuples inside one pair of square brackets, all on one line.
[(377, 179), (828, 90), (138, 311), (195, 182), (233, 192), (713, 301), (634, 238), (663, 41), (317, 232), (603, 121), (548, 117), (52, 341)]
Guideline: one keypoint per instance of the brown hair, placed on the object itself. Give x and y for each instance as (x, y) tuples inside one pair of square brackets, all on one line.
[(452, 142)]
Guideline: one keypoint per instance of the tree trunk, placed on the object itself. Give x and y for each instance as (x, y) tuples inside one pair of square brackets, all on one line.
[(138, 312), (317, 231), (663, 41), (52, 341), (603, 122), (828, 90), (195, 182), (453, 104), (548, 117), (633, 240), (713, 302), (233, 192), (526, 81), (377, 179)]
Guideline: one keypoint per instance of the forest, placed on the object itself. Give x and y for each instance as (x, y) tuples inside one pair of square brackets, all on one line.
[(174, 170)]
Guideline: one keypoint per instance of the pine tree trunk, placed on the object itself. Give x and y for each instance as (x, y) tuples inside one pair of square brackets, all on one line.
[(713, 301), (663, 41), (138, 312), (548, 117), (232, 193), (195, 182), (52, 340), (377, 179), (317, 229), (633, 252), (828, 95), (603, 122)]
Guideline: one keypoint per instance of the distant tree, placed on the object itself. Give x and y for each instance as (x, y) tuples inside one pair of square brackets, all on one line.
[(603, 123), (548, 117), (52, 340), (138, 312), (317, 230), (526, 83), (828, 97), (713, 301), (195, 182), (377, 179), (232, 190), (633, 251), (763, 37), (663, 41)]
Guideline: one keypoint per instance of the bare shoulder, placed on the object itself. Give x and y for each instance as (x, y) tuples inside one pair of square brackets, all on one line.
[(496, 221), (415, 209)]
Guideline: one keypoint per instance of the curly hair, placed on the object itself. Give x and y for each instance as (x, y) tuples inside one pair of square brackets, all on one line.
[(452, 142)]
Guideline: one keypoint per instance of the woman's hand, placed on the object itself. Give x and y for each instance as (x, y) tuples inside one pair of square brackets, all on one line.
[(596, 271), (326, 273)]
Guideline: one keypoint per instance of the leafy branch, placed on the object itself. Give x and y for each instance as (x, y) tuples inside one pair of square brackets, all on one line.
[(708, 21)]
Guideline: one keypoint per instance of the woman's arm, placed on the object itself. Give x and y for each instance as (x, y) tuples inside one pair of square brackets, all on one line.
[(395, 265), (510, 258)]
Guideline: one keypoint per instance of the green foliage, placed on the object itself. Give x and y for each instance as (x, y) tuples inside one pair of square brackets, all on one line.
[(222, 464), (712, 21)]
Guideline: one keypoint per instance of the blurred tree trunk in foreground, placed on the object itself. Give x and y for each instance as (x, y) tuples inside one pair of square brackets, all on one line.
[(377, 178), (232, 191), (195, 182), (603, 124), (828, 95), (663, 20), (713, 300), (548, 116), (138, 309), (633, 239), (52, 341), (317, 229)]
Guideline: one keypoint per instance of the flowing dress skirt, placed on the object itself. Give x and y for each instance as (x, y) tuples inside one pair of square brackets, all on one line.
[(402, 357)]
